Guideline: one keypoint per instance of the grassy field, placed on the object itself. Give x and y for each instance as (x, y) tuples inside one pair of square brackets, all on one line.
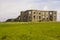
[(30, 31)]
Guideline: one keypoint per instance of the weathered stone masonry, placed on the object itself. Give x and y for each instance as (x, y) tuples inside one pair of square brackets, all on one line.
[(36, 16)]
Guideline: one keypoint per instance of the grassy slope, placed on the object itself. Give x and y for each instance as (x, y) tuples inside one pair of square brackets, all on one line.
[(30, 31)]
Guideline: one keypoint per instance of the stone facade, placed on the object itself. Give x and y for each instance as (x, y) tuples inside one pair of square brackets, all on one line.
[(35, 16), (38, 16)]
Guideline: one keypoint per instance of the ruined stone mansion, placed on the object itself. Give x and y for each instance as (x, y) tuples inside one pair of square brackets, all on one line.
[(35, 16)]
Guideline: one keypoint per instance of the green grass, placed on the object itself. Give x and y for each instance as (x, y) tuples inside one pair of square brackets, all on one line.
[(30, 31)]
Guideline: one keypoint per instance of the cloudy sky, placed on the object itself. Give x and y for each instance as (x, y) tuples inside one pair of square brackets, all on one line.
[(12, 8)]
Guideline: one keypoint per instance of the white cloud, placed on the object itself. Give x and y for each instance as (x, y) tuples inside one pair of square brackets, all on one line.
[(45, 8)]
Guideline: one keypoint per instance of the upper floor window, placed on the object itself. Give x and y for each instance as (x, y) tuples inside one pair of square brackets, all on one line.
[(34, 12), (50, 13), (29, 12)]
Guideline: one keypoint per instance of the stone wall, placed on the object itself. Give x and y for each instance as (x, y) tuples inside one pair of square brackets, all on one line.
[(38, 16), (35, 16)]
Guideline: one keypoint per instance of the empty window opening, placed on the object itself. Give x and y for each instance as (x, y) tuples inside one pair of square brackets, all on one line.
[(39, 17), (43, 16), (50, 13), (29, 12), (51, 18), (34, 17), (34, 12)]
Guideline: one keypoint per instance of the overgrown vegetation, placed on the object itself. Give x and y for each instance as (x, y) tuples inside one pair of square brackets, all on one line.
[(30, 31)]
